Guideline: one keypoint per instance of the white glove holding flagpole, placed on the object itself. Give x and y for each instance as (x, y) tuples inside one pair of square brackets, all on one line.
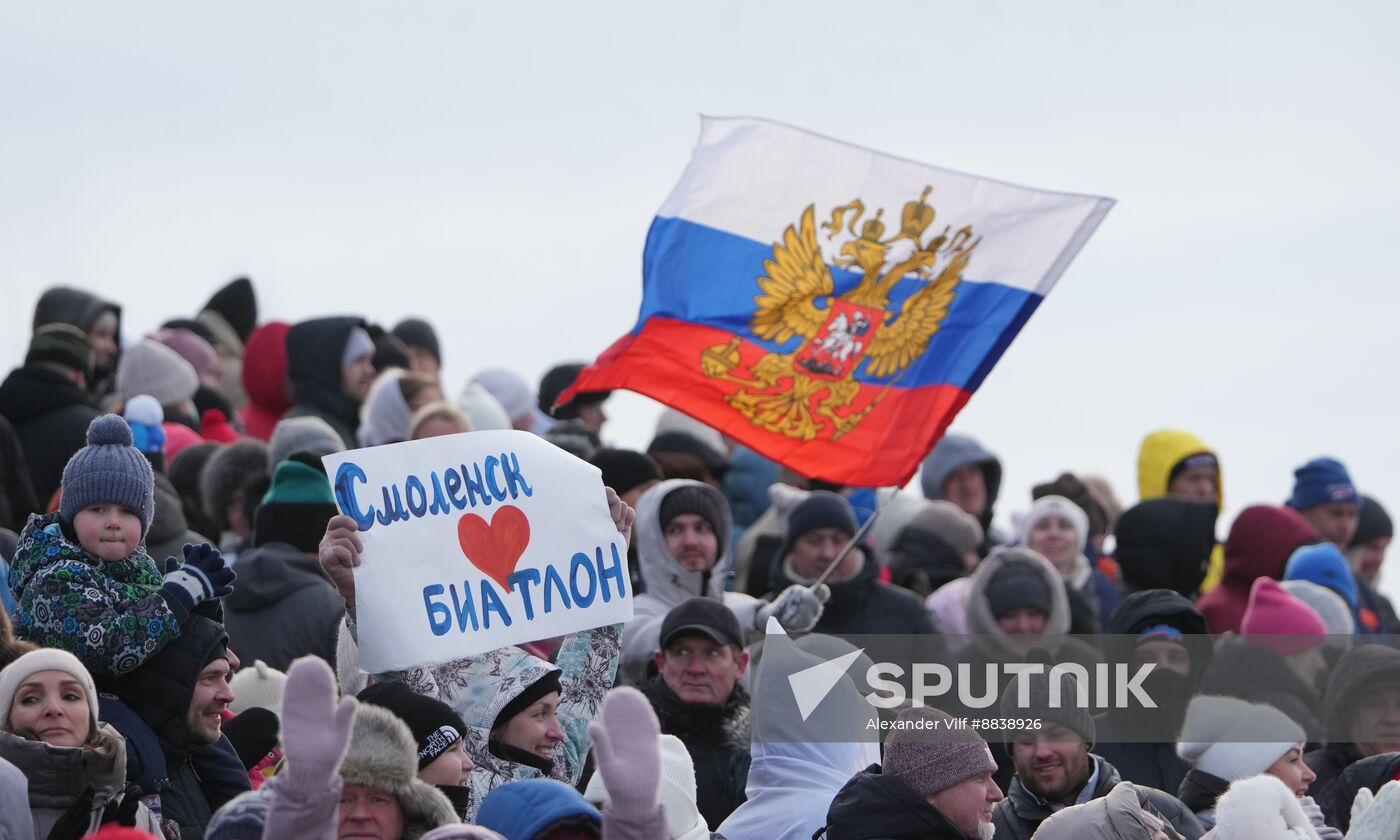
[(797, 608)]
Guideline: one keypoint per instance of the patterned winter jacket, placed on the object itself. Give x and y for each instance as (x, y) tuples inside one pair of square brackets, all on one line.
[(479, 687), (110, 615)]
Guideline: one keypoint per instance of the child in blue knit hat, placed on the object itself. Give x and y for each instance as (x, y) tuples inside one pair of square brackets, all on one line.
[(82, 577)]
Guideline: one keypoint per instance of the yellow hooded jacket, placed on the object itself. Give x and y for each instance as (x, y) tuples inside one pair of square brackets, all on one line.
[(1163, 450)]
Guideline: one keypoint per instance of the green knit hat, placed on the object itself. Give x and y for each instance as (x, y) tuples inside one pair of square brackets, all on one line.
[(295, 508), (295, 483)]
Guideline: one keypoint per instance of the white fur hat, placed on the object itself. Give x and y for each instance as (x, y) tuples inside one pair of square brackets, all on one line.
[(383, 755), (1261, 808), (257, 686), (1047, 506)]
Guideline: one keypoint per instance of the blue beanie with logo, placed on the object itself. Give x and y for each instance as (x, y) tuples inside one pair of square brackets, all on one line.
[(1322, 481), (109, 470)]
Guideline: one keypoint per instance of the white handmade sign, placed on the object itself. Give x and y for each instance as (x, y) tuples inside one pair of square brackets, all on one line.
[(476, 541)]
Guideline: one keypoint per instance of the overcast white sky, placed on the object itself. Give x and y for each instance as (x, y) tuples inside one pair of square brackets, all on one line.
[(494, 167)]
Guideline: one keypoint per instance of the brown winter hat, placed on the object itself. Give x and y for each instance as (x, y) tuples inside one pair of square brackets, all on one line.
[(929, 756)]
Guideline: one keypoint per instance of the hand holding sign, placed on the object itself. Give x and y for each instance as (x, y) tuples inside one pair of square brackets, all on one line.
[(339, 554), (463, 544)]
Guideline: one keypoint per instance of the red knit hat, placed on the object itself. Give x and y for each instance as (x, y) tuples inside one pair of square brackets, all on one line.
[(113, 831), (216, 427), (1282, 624)]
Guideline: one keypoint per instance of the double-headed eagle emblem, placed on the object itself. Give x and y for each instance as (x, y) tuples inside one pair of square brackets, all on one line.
[(811, 391)]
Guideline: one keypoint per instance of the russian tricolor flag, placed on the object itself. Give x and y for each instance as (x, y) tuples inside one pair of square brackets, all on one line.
[(831, 307)]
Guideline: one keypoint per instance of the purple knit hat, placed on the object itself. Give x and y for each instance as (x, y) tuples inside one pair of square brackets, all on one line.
[(929, 756)]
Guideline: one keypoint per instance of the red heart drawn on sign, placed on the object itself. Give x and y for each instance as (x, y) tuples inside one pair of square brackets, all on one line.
[(495, 548)]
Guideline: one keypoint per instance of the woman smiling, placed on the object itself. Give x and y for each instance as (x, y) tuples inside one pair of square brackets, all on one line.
[(50, 731)]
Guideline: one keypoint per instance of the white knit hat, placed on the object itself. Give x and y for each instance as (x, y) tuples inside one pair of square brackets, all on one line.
[(45, 659), (385, 415), (484, 410), (1329, 606), (683, 820), (510, 389), (258, 686), (1233, 739), (1055, 506)]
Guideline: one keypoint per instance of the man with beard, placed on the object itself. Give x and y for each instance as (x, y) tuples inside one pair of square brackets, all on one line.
[(170, 710), (1054, 766), (936, 784)]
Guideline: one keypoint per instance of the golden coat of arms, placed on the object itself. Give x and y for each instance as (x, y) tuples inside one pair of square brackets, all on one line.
[(811, 391)]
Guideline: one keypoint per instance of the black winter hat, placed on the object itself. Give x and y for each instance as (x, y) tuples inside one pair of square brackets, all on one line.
[(1017, 585), (389, 351), (1068, 713), (1372, 523), (238, 305), (626, 469), (435, 725), (62, 344), (415, 332), (716, 462), (532, 692), (556, 382), (253, 733), (821, 510), (703, 501)]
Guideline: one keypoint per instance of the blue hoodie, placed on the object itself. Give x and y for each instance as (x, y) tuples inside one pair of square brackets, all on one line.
[(526, 809)]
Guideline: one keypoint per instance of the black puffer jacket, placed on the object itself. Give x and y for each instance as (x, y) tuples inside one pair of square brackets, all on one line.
[(1165, 543), (1254, 674), (863, 604), (1151, 607), (75, 307), (922, 561), (282, 607), (17, 499), (1018, 815), (51, 416), (1141, 742), (1371, 773), (874, 806), (159, 693), (314, 349), (1200, 791), (717, 738)]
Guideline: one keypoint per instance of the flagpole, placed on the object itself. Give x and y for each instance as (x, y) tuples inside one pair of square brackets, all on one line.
[(860, 532)]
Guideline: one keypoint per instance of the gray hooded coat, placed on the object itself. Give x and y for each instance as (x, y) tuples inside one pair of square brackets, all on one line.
[(952, 453), (668, 585), (58, 775)]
